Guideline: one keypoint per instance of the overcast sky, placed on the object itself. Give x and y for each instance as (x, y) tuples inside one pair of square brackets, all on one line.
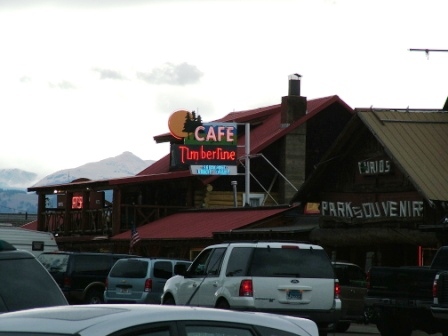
[(84, 80)]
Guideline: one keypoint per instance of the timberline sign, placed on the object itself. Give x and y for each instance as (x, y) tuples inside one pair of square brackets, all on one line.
[(210, 147), (205, 155)]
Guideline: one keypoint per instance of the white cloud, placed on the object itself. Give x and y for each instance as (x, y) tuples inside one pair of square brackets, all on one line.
[(84, 80)]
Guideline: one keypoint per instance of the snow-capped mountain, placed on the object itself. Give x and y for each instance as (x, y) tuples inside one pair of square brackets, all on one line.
[(16, 178), (125, 164), (14, 182)]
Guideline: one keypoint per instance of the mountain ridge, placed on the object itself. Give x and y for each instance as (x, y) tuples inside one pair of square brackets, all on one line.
[(14, 197)]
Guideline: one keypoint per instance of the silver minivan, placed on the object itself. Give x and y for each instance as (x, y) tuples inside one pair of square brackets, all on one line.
[(139, 280)]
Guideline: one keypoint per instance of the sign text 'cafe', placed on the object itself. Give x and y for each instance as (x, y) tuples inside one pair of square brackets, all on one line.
[(208, 148)]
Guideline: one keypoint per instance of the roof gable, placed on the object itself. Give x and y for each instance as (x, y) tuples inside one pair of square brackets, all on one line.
[(416, 140), (268, 128)]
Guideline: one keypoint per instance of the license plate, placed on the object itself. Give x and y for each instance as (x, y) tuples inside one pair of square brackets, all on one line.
[(294, 294), (124, 291)]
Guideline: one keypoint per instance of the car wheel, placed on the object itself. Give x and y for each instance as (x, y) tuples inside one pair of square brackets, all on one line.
[(342, 326), (222, 304), (94, 296), (169, 301)]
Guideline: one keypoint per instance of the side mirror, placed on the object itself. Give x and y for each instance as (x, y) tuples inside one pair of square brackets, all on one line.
[(180, 269)]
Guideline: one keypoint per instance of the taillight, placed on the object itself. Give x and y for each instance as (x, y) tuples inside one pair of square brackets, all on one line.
[(368, 280), (148, 285), (337, 288), (434, 288), (67, 282), (246, 288)]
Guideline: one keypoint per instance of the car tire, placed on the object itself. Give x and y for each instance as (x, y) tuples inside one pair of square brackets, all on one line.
[(169, 301), (94, 296), (222, 304)]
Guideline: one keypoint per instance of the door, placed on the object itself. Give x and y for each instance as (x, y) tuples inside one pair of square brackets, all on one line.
[(204, 269)]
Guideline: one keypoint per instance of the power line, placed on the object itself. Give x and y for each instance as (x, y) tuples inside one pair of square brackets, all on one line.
[(427, 51)]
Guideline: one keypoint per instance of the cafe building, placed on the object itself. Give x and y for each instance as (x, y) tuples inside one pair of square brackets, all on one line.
[(229, 179)]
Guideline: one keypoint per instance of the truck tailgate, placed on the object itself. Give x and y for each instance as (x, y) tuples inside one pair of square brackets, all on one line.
[(414, 283)]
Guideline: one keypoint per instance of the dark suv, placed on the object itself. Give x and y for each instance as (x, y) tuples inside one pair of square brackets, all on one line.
[(24, 283), (81, 275)]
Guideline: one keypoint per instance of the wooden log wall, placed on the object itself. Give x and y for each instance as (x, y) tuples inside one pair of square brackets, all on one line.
[(211, 199)]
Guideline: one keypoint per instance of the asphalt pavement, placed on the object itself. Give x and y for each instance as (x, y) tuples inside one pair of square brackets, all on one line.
[(370, 329)]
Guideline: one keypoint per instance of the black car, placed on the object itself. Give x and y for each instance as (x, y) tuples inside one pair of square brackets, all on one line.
[(24, 282), (81, 275)]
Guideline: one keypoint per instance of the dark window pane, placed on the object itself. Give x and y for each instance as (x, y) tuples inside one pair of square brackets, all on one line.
[(163, 269), (239, 261), (291, 262), (210, 330)]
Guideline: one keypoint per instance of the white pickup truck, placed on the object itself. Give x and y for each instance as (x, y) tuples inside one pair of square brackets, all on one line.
[(287, 278)]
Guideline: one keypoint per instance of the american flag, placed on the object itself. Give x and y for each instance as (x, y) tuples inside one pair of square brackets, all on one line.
[(135, 238)]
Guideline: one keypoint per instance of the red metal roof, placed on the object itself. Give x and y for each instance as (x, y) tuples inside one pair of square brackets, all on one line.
[(266, 128), (30, 226), (201, 224), (268, 131)]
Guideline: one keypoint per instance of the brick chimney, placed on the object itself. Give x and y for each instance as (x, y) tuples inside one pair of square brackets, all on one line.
[(292, 159), (293, 105)]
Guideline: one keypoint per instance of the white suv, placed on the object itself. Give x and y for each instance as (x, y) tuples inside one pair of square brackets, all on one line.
[(287, 278)]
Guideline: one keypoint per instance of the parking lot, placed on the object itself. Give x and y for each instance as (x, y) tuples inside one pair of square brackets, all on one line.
[(370, 329)]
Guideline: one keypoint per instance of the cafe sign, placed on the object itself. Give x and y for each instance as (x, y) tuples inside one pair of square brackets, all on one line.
[(210, 147)]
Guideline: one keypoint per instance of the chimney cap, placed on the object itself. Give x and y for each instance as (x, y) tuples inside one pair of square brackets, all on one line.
[(295, 76)]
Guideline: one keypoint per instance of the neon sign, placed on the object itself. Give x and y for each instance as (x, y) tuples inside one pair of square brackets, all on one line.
[(210, 145), (213, 134)]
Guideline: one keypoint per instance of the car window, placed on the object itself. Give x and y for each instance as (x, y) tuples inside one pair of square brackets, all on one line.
[(92, 264), (210, 330), (215, 261), (163, 269), (357, 277), (198, 266), (159, 331), (239, 261), (54, 262), (350, 275), (291, 262), (129, 269)]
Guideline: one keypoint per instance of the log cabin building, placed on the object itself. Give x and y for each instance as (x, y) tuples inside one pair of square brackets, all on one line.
[(177, 213), (370, 185), (383, 188)]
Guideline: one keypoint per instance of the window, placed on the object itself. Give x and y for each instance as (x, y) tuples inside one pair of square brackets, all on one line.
[(129, 268), (239, 261), (286, 262), (198, 266), (208, 330), (255, 200), (208, 262), (92, 264), (163, 269), (214, 264)]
